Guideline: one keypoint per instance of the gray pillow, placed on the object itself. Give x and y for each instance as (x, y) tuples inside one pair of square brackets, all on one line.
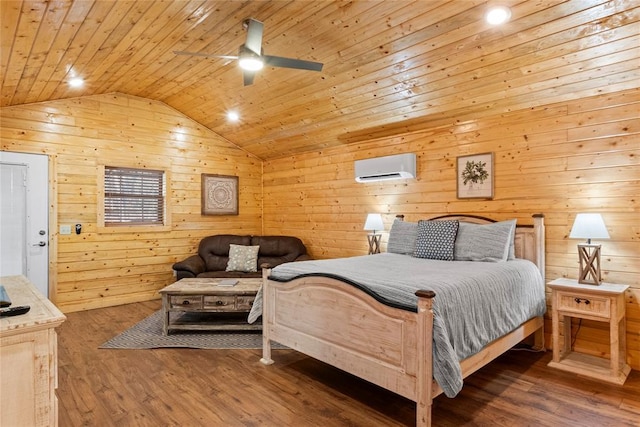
[(243, 258), (436, 239), (484, 242), (402, 237), (512, 242)]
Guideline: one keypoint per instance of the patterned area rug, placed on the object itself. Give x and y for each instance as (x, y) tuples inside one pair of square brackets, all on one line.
[(148, 334)]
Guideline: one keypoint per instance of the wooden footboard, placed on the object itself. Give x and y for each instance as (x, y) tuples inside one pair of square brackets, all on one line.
[(337, 323)]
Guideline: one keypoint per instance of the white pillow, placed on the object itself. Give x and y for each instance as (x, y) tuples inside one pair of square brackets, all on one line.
[(243, 258), (484, 242)]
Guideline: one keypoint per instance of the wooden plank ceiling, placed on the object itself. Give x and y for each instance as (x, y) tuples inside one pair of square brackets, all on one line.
[(389, 66)]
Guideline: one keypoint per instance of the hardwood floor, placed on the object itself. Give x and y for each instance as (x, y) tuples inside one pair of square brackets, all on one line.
[(186, 387)]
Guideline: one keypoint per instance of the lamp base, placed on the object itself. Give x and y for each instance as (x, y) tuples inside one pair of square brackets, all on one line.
[(589, 256), (374, 243)]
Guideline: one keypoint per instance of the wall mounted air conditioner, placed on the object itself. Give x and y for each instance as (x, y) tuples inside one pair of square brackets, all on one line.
[(385, 168)]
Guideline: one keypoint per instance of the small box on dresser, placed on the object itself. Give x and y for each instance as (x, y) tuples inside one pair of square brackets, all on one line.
[(601, 303)]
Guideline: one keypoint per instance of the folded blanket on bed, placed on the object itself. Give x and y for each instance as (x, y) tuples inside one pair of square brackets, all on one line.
[(475, 303)]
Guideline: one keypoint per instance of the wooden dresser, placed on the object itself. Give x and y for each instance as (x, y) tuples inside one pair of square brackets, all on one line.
[(28, 358)]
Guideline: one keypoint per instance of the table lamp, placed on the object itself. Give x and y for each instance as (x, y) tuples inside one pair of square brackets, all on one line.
[(373, 223), (589, 226)]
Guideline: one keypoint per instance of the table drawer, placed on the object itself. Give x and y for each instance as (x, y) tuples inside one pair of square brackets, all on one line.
[(584, 304), (244, 303), (220, 303), (192, 302)]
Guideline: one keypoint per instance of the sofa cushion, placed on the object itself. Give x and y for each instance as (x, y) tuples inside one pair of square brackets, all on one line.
[(276, 250), (243, 258), (214, 250)]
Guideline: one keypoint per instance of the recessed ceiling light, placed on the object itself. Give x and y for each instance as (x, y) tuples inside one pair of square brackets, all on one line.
[(497, 15), (233, 116), (76, 82)]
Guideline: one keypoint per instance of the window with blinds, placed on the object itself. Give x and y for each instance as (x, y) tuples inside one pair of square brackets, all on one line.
[(133, 196)]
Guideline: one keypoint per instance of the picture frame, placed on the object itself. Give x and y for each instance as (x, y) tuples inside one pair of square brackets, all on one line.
[(475, 176), (219, 194)]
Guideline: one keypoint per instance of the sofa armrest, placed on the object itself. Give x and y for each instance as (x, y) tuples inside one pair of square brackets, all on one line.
[(194, 265)]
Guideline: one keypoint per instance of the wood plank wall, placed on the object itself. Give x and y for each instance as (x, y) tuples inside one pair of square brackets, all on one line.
[(95, 269), (558, 159)]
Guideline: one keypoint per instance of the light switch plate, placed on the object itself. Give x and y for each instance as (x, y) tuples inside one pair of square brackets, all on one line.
[(65, 229)]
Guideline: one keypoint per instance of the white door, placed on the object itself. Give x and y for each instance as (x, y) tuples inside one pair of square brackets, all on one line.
[(24, 217)]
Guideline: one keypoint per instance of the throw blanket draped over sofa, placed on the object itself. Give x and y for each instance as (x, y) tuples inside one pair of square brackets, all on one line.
[(230, 255)]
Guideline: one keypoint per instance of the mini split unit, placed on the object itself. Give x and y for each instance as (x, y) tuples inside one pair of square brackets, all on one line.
[(386, 168)]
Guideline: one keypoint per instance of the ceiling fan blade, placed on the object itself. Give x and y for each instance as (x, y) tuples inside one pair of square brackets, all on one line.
[(204, 55), (299, 64), (254, 36), (248, 77)]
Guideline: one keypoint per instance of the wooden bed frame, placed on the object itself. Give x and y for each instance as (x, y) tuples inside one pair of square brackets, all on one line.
[(343, 326)]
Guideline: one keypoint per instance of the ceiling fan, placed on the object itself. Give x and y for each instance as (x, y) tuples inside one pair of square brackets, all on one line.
[(251, 57)]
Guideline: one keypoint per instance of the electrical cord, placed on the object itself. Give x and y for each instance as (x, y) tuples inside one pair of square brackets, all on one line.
[(529, 349), (575, 337)]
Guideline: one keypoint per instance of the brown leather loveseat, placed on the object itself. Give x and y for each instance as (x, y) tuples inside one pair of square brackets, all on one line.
[(212, 259)]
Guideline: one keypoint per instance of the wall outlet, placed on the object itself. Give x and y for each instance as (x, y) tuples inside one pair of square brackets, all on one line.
[(65, 229)]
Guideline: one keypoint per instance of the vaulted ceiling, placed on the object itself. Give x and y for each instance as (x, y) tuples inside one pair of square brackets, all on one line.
[(389, 66)]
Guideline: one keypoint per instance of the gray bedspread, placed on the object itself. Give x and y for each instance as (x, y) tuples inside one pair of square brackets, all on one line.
[(475, 303)]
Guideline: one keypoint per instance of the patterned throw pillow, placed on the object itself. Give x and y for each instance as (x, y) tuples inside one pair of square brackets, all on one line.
[(402, 237), (243, 258), (436, 239)]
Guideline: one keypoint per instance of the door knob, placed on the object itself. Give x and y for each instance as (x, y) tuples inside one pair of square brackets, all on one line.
[(40, 243)]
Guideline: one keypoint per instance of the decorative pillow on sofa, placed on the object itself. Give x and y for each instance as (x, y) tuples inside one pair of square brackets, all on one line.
[(402, 237), (436, 239), (485, 242), (243, 258)]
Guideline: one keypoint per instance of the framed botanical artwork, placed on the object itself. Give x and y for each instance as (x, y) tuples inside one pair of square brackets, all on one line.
[(475, 176), (219, 194)]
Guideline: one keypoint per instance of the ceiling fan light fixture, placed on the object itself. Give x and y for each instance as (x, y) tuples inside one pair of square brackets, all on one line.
[(251, 57), (250, 63)]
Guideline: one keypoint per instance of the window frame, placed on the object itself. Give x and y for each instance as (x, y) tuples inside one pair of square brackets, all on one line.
[(104, 227)]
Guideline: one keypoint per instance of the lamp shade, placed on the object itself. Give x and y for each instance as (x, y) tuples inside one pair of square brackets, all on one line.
[(374, 222), (589, 226)]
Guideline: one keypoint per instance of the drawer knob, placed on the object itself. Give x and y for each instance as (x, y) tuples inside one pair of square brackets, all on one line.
[(219, 302), (186, 302), (582, 300)]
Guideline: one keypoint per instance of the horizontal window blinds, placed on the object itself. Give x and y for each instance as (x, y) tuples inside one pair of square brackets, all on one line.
[(133, 196)]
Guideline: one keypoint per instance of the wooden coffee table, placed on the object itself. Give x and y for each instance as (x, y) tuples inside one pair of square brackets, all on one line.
[(202, 304)]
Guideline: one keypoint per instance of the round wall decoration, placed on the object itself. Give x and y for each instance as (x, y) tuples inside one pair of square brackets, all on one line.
[(220, 195)]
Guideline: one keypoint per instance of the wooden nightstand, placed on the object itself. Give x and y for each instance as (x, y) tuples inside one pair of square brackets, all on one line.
[(603, 303)]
